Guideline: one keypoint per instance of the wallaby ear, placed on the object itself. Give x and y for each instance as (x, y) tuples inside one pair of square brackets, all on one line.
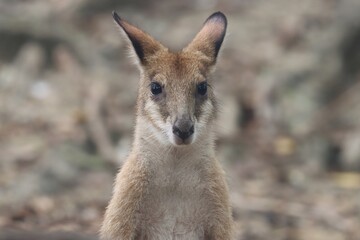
[(143, 44), (208, 41)]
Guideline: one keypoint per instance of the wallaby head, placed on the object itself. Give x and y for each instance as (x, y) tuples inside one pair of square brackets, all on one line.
[(175, 95)]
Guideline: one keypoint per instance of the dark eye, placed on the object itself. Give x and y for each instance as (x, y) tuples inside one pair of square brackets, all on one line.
[(155, 88), (202, 88)]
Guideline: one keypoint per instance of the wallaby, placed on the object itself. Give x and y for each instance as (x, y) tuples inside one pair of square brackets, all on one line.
[(171, 185)]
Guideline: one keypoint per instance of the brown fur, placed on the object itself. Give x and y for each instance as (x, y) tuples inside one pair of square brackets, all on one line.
[(166, 190)]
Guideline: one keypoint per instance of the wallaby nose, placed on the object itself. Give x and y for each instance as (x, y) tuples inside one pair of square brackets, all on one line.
[(183, 129)]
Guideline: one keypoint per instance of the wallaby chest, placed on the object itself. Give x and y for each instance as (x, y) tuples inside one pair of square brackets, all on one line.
[(175, 203)]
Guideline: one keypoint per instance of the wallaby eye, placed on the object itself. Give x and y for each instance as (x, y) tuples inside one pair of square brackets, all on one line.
[(155, 88), (202, 88)]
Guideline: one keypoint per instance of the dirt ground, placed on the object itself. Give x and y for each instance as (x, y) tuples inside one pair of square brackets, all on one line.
[(288, 82)]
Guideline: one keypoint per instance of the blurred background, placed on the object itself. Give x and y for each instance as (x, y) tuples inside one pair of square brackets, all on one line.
[(288, 80)]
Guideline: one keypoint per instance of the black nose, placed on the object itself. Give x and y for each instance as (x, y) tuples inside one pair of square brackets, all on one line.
[(184, 130)]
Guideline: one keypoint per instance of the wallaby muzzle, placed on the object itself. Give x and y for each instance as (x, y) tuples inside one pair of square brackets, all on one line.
[(183, 129)]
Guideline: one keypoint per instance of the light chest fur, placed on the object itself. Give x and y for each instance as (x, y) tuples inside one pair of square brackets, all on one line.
[(176, 203)]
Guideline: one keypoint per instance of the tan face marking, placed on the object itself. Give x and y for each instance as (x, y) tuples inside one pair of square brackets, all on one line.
[(179, 107)]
